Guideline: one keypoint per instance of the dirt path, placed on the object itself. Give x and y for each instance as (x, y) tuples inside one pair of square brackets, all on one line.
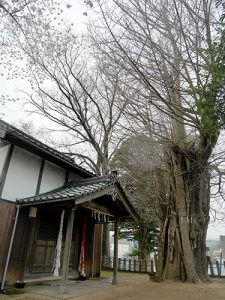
[(132, 287), (140, 288)]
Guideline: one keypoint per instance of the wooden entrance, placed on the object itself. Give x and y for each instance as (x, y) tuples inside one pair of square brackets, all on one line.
[(43, 244), (44, 238)]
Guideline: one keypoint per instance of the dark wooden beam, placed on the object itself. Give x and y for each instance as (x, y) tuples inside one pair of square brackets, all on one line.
[(66, 258), (115, 258), (67, 176), (93, 196), (93, 252), (5, 168), (100, 208), (40, 176)]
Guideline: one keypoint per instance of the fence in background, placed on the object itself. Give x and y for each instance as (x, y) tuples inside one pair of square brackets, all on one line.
[(131, 265), (215, 268)]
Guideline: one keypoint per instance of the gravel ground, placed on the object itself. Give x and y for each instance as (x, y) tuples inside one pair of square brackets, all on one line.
[(131, 286)]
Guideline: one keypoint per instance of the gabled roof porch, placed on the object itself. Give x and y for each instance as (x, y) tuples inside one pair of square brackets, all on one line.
[(98, 200)]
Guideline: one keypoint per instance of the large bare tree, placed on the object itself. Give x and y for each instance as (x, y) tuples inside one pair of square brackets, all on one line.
[(80, 97), (167, 50)]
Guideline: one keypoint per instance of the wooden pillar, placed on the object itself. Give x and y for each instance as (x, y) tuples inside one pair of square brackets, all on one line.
[(115, 258), (119, 264), (152, 266), (210, 265), (218, 268), (129, 264), (135, 265), (66, 258), (93, 253)]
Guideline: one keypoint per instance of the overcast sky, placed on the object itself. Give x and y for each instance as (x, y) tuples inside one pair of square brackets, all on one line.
[(13, 112)]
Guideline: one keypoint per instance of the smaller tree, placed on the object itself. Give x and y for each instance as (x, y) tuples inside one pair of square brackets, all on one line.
[(142, 232), (137, 164)]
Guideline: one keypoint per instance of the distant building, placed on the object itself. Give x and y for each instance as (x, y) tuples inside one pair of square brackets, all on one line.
[(222, 244), (125, 247), (213, 249)]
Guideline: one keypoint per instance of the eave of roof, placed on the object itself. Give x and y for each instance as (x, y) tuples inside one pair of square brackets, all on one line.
[(72, 191), (83, 191), (23, 140)]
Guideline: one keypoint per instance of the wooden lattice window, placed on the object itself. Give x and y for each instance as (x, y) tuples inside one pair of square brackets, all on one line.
[(48, 230)]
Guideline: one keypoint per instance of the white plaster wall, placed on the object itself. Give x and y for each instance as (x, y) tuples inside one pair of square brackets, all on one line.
[(22, 175), (52, 178), (3, 152)]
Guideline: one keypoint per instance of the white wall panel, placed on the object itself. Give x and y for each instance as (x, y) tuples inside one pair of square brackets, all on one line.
[(3, 153), (22, 176), (53, 177)]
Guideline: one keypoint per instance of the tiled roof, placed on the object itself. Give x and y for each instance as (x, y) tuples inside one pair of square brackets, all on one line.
[(72, 191), (88, 187), (11, 130)]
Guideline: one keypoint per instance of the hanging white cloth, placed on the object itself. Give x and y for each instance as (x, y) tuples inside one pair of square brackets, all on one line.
[(82, 264), (58, 249)]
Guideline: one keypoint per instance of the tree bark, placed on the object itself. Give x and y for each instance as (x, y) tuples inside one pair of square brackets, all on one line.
[(185, 217)]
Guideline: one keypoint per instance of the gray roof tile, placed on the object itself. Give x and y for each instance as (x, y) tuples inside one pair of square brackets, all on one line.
[(73, 190)]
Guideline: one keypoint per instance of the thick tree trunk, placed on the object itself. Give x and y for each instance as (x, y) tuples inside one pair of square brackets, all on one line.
[(184, 218)]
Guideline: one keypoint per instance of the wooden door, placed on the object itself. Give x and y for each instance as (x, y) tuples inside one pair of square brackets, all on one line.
[(45, 240), (97, 251), (45, 243), (43, 256)]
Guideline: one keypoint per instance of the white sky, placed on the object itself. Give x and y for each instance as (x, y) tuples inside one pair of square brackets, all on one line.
[(15, 111), (214, 231)]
